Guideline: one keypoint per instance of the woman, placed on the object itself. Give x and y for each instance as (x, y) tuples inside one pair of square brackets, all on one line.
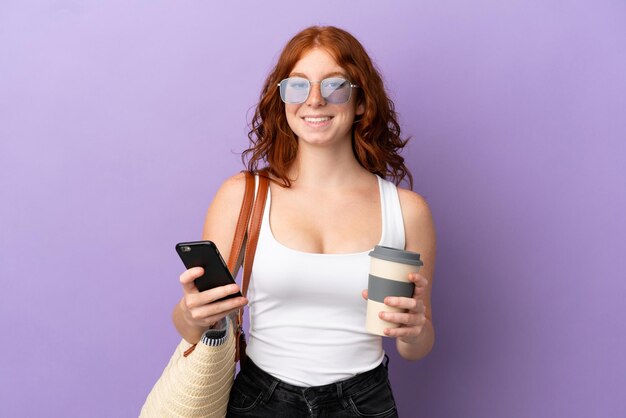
[(328, 134)]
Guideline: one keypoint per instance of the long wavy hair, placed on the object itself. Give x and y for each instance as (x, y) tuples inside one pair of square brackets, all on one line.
[(376, 140)]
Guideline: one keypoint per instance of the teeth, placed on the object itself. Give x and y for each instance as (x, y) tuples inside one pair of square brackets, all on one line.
[(317, 120)]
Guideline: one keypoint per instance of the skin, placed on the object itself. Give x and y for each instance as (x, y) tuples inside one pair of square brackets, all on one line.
[(333, 207)]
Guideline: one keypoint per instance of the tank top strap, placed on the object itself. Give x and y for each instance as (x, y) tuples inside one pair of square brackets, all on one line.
[(393, 222)]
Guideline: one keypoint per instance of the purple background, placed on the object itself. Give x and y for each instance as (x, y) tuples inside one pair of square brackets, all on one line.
[(118, 121)]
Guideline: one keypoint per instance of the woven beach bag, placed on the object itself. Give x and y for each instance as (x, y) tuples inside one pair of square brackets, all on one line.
[(197, 385)]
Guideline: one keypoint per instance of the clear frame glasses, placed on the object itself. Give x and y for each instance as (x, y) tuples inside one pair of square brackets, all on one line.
[(335, 90)]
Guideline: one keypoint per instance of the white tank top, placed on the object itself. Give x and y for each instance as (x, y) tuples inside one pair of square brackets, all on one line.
[(307, 316)]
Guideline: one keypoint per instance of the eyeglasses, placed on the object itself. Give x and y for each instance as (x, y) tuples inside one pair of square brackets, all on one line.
[(335, 90)]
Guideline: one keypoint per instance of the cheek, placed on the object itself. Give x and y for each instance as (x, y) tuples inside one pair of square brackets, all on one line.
[(291, 110), (290, 113)]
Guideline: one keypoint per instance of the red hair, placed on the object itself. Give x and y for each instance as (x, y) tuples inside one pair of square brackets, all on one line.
[(376, 140)]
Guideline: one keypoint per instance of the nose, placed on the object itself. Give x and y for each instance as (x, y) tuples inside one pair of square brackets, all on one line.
[(315, 95)]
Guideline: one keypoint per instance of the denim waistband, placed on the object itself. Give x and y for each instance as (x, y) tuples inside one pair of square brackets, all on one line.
[(341, 388)]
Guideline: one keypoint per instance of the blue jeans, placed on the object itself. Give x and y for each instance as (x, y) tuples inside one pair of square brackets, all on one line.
[(256, 393)]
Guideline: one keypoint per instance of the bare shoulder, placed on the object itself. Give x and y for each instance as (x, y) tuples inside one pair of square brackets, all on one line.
[(414, 207), (231, 189), (221, 217), (419, 227)]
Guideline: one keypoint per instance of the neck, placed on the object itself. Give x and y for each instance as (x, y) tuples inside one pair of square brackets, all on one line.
[(326, 167)]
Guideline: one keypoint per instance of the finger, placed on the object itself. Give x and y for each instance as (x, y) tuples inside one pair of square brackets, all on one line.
[(419, 280), (197, 299), (217, 310), (418, 292), (364, 294), (213, 319), (187, 278), (403, 318), (413, 304), (403, 332), (419, 306), (217, 293)]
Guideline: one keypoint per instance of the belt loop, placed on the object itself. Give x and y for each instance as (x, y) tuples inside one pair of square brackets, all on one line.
[(386, 361), (344, 403), (270, 390)]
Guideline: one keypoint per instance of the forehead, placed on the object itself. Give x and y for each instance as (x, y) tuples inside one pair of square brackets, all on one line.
[(317, 62)]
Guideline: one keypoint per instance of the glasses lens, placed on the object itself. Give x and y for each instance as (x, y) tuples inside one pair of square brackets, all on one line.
[(294, 90), (336, 90)]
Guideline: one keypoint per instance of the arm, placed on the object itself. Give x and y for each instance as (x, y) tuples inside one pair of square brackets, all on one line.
[(196, 311), (416, 336)]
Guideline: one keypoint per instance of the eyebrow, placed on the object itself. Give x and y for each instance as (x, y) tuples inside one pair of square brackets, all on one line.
[(333, 74)]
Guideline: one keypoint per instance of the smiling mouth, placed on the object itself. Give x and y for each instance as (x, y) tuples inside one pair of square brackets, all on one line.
[(316, 119)]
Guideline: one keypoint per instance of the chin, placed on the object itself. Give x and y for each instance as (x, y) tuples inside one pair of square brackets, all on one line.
[(321, 140)]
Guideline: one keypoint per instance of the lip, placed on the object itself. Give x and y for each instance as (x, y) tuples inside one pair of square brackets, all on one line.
[(324, 122), (316, 116)]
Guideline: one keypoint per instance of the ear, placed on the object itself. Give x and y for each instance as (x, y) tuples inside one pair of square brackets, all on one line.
[(360, 109)]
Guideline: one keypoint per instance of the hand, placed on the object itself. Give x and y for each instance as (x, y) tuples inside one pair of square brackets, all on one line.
[(200, 309), (411, 322)]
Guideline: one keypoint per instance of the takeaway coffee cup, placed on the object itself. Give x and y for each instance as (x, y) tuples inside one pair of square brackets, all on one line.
[(389, 276)]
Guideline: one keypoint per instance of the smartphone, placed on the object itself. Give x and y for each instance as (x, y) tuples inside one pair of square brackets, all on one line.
[(206, 255)]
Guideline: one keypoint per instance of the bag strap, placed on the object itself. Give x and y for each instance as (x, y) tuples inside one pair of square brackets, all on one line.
[(248, 230), (247, 233), (242, 225), (254, 230)]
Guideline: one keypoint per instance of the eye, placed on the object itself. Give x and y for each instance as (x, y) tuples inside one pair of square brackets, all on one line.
[(298, 84), (335, 83)]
